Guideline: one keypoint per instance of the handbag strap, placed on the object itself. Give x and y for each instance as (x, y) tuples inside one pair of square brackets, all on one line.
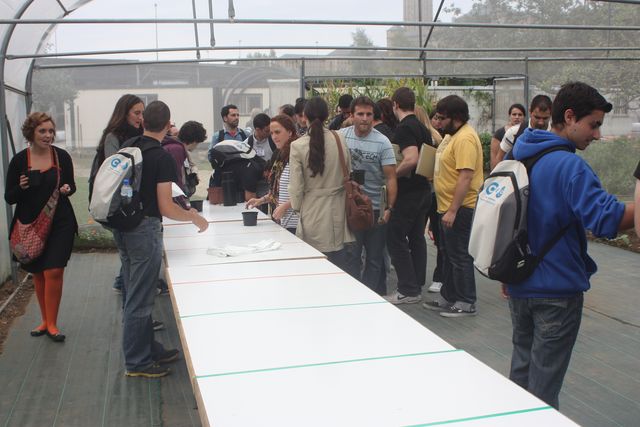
[(345, 171), (56, 164), (54, 160)]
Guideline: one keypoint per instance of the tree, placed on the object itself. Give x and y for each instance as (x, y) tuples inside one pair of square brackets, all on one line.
[(611, 77), (361, 39), (51, 89)]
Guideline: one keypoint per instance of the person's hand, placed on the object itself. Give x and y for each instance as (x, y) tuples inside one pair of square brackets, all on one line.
[(504, 291), (430, 234), (199, 222), (24, 182), (278, 213), (65, 189), (386, 216), (252, 203), (448, 219)]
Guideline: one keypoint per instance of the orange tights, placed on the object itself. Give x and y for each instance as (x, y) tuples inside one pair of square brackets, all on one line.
[(48, 284)]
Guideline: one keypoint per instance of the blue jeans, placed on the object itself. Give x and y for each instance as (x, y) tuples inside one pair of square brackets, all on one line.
[(458, 280), (544, 332), (339, 258), (141, 254), (406, 243), (373, 241)]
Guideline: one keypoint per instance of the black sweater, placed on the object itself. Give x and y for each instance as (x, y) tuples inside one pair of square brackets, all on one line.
[(31, 201)]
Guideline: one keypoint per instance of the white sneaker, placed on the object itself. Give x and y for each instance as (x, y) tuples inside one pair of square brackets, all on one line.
[(435, 287), (397, 298)]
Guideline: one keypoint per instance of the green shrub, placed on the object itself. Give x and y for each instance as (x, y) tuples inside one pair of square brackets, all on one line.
[(485, 139), (614, 163)]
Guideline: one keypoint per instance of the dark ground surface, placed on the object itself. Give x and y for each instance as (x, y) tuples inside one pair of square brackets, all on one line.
[(82, 383)]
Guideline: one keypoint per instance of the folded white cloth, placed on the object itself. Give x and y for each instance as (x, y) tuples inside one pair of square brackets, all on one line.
[(231, 250)]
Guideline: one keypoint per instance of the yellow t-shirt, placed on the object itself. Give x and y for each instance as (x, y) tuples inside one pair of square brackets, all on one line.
[(463, 150)]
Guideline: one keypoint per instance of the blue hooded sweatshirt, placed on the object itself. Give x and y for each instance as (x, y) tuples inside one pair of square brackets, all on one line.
[(564, 190)]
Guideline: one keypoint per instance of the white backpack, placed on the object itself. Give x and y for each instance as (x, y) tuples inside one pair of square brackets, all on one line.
[(499, 243), (105, 204)]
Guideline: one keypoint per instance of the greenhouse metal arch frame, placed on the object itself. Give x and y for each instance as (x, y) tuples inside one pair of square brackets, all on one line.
[(27, 35)]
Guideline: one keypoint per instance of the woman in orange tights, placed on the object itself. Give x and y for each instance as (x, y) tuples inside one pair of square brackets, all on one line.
[(31, 179)]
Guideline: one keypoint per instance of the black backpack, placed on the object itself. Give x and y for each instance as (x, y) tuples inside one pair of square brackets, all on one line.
[(221, 135)]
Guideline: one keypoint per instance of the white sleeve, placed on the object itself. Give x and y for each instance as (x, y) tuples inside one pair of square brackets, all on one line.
[(507, 141)]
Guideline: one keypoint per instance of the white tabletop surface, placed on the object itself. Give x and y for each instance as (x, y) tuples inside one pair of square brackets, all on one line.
[(182, 275), (249, 340), (219, 213), (431, 389), (241, 237), (193, 257), (220, 229), (270, 293)]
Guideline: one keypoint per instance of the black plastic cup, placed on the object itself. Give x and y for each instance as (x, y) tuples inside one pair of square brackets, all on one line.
[(196, 204), (35, 179), (250, 218)]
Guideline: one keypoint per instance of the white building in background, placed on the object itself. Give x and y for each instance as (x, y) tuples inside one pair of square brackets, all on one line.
[(192, 91)]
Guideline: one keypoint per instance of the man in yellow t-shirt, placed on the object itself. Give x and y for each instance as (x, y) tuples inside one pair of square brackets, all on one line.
[(458, 177)]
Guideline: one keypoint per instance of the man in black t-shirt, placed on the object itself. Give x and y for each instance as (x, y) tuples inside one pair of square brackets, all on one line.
[(344, 112), (405, 234), (141, 249)]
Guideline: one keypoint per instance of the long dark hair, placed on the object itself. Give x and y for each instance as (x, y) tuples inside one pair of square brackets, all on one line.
[(316, 112), (287, 123), (386, 108), (118, 124)]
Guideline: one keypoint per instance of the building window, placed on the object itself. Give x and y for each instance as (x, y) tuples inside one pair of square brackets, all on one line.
[(620, 105), (247, 102), (147, 98)]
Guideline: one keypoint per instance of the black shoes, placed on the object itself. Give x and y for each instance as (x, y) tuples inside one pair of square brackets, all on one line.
[(153, 371), (56, 337), (38, 332), (167, 356)]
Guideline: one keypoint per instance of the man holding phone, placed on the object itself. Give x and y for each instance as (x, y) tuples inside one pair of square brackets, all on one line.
[(373, 163)]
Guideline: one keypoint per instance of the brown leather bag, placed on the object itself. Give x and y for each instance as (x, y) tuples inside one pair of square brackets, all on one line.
[(358, 205)]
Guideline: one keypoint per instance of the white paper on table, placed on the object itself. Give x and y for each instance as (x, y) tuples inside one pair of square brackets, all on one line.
[(232, 250)]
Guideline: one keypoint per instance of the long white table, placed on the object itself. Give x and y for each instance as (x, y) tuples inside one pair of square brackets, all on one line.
[(219, 213), (292, 340)]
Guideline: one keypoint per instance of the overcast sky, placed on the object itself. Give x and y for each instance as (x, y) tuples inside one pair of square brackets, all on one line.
[(70, 38)]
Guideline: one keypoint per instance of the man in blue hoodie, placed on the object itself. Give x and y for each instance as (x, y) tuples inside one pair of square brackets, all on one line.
[(546, 309)]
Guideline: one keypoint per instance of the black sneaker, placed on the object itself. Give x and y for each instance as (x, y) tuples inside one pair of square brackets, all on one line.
[(167, 356), (454, 311), (153, 371), (157, 325)]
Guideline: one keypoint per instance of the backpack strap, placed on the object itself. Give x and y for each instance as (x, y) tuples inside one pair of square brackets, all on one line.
[(529, 163), (220, 135), (242, 134), (250, 140)]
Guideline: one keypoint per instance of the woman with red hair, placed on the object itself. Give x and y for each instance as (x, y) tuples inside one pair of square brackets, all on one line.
[(34, 175)]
